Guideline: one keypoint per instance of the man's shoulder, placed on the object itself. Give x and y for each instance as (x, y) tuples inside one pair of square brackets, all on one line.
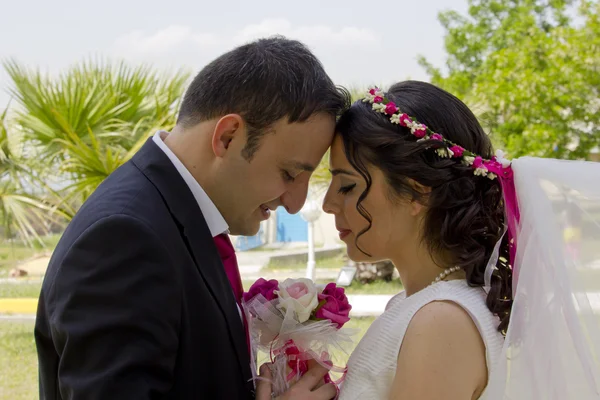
[(126, 208), (126, 192)]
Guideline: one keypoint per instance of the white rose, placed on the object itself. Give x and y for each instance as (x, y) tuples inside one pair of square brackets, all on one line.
[(298, 295)]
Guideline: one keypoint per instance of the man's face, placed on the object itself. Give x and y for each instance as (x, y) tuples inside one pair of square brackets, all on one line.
[(277, 175)]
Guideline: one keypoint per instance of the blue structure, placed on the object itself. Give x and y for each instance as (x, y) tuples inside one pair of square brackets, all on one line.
[(243, 243), (291, 227)]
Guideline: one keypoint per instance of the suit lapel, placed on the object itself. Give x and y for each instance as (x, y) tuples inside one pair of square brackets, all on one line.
[(157, 167)]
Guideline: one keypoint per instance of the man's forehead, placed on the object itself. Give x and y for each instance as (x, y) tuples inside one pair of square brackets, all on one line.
[(299, 165), (317, 125)]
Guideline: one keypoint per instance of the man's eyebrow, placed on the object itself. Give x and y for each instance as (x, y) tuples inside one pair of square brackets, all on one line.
[(299, 165)]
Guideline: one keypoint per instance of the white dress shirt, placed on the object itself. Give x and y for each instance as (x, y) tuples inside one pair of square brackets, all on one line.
[(215, 221)]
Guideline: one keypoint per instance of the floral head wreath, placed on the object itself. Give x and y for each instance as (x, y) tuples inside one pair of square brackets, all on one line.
[(498, 165)]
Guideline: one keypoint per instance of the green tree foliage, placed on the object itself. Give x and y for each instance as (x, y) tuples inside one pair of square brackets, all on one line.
[(530, 70)]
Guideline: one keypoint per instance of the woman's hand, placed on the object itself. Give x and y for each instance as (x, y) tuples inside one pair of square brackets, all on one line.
[(311, 385)]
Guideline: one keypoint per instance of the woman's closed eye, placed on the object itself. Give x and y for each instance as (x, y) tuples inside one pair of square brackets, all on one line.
[(346, 189)]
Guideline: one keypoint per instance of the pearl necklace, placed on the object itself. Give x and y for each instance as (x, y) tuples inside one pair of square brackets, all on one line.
[(444, 274)]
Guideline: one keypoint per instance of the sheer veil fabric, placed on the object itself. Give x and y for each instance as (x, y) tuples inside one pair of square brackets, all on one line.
[(552, 347)]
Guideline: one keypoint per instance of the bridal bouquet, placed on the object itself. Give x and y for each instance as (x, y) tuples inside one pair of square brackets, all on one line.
[(295, 321)]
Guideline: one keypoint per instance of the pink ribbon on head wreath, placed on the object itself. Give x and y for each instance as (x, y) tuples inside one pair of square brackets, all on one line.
[(505, 175)]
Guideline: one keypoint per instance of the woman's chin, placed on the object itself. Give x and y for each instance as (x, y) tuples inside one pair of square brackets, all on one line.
[(358, 256)]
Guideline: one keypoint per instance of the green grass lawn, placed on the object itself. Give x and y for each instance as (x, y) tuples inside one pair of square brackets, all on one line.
[(18, 361), (18, 358), (377, 287), (20, 290), (336, 262)]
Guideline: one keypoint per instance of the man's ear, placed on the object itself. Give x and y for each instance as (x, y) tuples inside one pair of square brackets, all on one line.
[(417, 206), (228, 128)]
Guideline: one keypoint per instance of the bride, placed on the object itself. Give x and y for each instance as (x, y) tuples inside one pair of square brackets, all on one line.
[(405, 189), (495, 305)]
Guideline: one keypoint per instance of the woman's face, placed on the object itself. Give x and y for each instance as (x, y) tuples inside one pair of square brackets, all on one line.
[(395, 222)]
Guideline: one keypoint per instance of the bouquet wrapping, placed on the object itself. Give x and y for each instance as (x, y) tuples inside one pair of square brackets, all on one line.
[(294, 321)]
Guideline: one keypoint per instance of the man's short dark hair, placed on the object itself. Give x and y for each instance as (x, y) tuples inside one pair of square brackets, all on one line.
[(263, 81)]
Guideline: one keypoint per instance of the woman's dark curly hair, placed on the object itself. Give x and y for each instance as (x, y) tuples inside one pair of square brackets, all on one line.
[(465, 213)]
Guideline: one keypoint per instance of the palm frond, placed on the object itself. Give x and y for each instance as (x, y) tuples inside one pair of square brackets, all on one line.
[(89, 120)]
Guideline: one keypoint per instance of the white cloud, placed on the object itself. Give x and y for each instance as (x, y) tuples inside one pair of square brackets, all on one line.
[(206, 39), (348, 53), (156, 43), (313, 35), (165, 41), (265, 28)]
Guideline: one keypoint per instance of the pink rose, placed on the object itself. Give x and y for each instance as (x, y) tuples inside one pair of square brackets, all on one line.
[(297, 290), (437, 136), (457, 151), (377, 99), (420, 132), (264, 287), (478, 162), (333, 305), (372, 91), (391, 108), (405, 120)]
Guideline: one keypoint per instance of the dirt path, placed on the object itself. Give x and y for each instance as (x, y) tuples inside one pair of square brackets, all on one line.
[(36, 266)]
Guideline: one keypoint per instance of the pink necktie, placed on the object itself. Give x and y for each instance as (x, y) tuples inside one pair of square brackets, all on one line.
[(227, 253)]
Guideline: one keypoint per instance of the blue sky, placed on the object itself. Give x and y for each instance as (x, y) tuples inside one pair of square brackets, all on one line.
[(359, 42)]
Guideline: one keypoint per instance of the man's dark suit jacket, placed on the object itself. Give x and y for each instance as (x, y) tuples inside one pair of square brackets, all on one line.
[(136, 303)]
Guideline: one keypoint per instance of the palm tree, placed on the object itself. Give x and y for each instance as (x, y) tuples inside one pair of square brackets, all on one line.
[(90, 119), (22, 214)]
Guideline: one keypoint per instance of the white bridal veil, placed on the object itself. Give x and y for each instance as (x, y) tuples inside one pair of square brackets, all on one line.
[(552, 347)]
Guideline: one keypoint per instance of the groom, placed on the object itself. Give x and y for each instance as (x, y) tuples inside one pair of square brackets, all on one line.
[(141, 297)]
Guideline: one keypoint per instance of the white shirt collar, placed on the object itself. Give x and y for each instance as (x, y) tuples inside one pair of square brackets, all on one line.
[(215, 221)]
